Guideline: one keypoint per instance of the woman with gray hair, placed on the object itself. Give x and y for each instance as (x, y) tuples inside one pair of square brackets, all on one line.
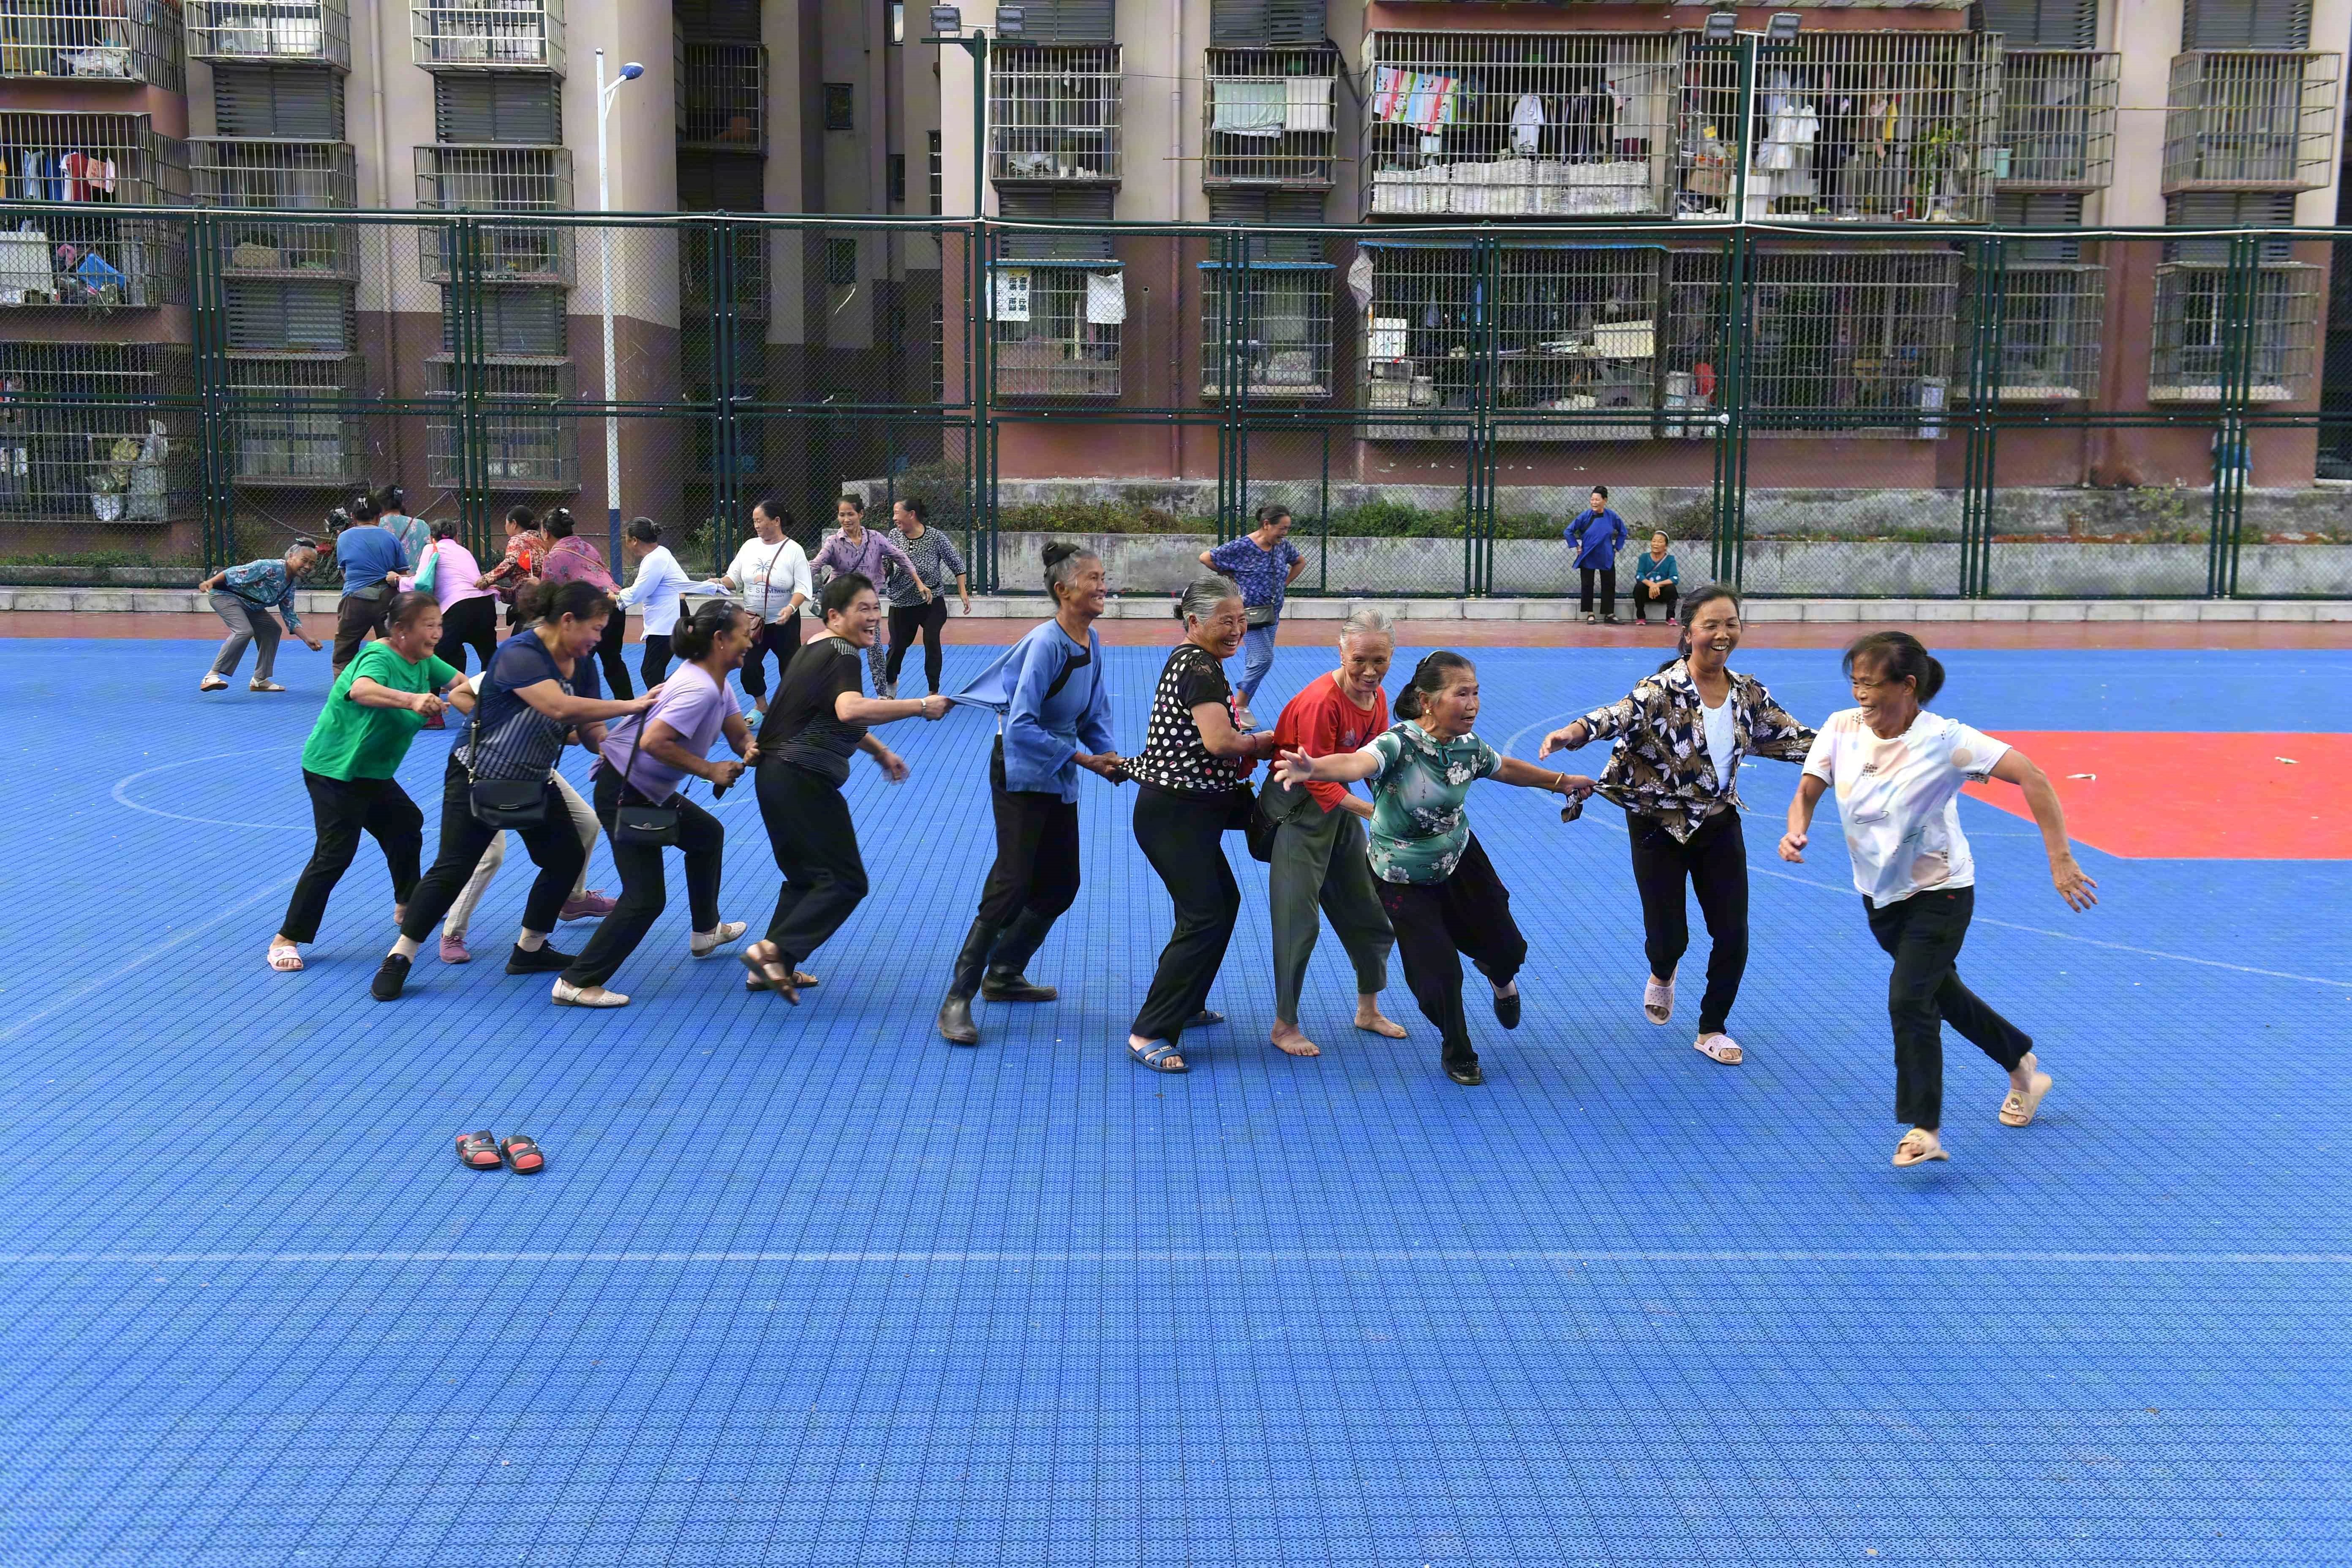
[(1052, 718), (1192, 767), (243, 597), (1318, 839)]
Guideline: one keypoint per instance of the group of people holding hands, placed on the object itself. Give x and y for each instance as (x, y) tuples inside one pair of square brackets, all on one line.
[(1395, 868)]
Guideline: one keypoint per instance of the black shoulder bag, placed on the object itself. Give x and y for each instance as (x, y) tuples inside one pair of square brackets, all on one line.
[(655, 825), (501, 803)]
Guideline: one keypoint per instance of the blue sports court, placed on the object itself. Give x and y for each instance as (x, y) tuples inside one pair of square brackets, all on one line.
[(807, 1287)]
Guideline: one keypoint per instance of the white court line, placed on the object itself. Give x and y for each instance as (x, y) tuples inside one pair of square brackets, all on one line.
[(1298, 1255), (127, 780)]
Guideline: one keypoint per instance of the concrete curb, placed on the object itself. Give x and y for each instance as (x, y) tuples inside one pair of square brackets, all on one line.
[(1023, 607)]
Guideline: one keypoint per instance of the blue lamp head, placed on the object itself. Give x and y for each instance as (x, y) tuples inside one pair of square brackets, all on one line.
[(632, 71)]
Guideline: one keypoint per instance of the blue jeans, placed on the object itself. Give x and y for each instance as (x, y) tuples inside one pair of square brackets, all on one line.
[(1258, 658)]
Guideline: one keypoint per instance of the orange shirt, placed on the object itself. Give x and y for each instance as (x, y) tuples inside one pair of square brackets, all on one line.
[(1320, 721)]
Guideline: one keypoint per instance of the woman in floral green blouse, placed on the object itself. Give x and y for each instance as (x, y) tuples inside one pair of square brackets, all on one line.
[(1439, 889)]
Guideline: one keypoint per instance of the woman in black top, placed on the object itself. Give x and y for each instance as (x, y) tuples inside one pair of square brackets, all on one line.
[(818, 718), (1190, 770)]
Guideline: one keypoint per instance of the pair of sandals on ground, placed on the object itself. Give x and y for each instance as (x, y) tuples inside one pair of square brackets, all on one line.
[(220, 683), (516, 1151)]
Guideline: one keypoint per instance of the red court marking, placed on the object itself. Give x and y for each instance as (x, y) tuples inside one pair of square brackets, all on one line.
[(2193, 797)]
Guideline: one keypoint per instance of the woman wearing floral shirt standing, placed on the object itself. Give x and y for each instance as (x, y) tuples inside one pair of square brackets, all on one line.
[(1439, 889), (1684, 731), (1264, 563)]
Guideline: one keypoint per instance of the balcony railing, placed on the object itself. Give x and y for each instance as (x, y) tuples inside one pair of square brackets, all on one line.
[(1053, 114), (2057, 120), (273, 32), (522, 449), (292, 176), (121, 40), (722, 92), (483, 178), (76, 157), (92, 261), (489, 35), (1269, 118), (2249, 119), (1056, 330), (97, 431), (2198, 314), (2053, 324), (1279, 345), (295, 422)]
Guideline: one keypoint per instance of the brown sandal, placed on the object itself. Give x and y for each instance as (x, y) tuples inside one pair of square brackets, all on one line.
[(762, 980)]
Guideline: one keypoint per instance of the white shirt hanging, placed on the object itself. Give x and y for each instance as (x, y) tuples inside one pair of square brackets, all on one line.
[(1106, 299)]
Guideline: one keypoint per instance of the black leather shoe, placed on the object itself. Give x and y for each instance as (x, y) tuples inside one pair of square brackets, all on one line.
[(546, 960), (389, 978), (1507, 1010), (956, 1027), (1467, 1076), (998, 986)]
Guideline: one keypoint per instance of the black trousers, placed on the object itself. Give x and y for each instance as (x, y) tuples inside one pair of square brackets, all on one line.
[(656, 662), (930, 620), (1182, 837), (815, 846), (1036, 866), (1664, 604), (1715, 864), (1923, 933), (1608, 576), (782, 639), (644, 884), (469, 624), (1469, 912), (554, 846), (354, 618), (610, 655), (342, 809)]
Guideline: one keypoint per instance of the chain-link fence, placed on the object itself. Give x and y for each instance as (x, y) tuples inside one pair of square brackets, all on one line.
[(1828, 408)]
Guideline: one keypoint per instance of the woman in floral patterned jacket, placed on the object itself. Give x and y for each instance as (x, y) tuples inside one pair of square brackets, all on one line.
[(1683, 732)]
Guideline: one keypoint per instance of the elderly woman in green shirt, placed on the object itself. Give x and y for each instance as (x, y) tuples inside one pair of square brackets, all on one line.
[(1440, 890), (373, 711)]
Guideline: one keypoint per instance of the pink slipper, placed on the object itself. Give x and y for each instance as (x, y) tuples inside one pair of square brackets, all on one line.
[(1658, 1001)]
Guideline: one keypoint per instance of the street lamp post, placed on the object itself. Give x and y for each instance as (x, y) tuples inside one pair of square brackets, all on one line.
[(605, 92)]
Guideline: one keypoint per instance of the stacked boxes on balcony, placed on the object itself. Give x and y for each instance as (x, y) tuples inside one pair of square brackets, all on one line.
[(497, 75), (285, 282), (1057, 299), (94, 421)]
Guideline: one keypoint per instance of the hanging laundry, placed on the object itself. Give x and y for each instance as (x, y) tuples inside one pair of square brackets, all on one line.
[(1433, 103), (1106, 299), (1307, 103), (1360, 279), (1247, 107), (1527, 125), (76, 169)]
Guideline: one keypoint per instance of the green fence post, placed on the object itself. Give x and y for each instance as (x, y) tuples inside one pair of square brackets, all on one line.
[(2238, 293), (216, 464)]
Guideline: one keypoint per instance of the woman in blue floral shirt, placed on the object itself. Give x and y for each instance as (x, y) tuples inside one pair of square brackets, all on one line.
[(243, 597), (1263, 563)]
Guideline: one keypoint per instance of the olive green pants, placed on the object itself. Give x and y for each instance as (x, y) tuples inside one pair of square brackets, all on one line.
[(1319, 864)]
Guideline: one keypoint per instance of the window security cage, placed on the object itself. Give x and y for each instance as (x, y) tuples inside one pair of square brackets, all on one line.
[(526, 447), (1280, 343), (92, 262), (1877, 126), (699, 251), (97, 431), (121, 40), (722, 96), (93, 158), (1862, 339), (2197, 300), (2053, 321), (1573, 331), (1518, 124), (1268, 117), (489, 35), (2057, 120), (295, 423), (496, 178), (1055, 329), (2249, 119), (1053, 114), (84, 256), (292, 31), (300, 177)]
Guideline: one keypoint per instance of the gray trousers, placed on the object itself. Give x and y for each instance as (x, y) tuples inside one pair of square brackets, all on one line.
[(1319, 863), (246, 625)]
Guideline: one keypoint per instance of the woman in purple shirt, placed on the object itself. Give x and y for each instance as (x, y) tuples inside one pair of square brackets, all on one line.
[(570, 558), (857, 548), (641, 761)]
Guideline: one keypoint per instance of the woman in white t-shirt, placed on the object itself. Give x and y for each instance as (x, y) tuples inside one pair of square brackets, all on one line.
[(654, 594), (1898, 770), (770, 575)]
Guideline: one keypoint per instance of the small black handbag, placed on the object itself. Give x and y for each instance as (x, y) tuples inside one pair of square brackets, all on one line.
[(653, 826), (501, 803)]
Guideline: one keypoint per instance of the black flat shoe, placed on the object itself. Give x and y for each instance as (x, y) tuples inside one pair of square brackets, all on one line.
[(1507, 1010), (390, 976), (546, 960), (1467, 1076)]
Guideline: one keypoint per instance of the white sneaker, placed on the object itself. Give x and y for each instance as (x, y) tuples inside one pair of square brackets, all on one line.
[(567, 994), (703, 946)]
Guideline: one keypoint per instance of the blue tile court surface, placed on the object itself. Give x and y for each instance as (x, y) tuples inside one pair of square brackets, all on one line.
[(808, 1286)]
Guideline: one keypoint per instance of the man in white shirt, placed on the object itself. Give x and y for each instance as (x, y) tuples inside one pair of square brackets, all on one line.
[(770, 575)]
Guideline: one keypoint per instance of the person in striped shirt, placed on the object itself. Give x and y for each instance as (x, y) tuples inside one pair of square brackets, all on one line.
[(873, 556), (935, 564)]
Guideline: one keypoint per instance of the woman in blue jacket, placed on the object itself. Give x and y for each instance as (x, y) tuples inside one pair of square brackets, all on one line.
[(1597, 535), (1054, 718)]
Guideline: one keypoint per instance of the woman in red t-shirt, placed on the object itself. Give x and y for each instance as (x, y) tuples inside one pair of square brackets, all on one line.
[(1318, 848)]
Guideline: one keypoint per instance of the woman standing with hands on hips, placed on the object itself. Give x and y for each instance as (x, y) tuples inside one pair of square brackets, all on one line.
[(642, 763), (1440, 890), (1190, 772), (818, 719), (1897, 770), (373, 711), (1053, 719), (1681, 734)]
